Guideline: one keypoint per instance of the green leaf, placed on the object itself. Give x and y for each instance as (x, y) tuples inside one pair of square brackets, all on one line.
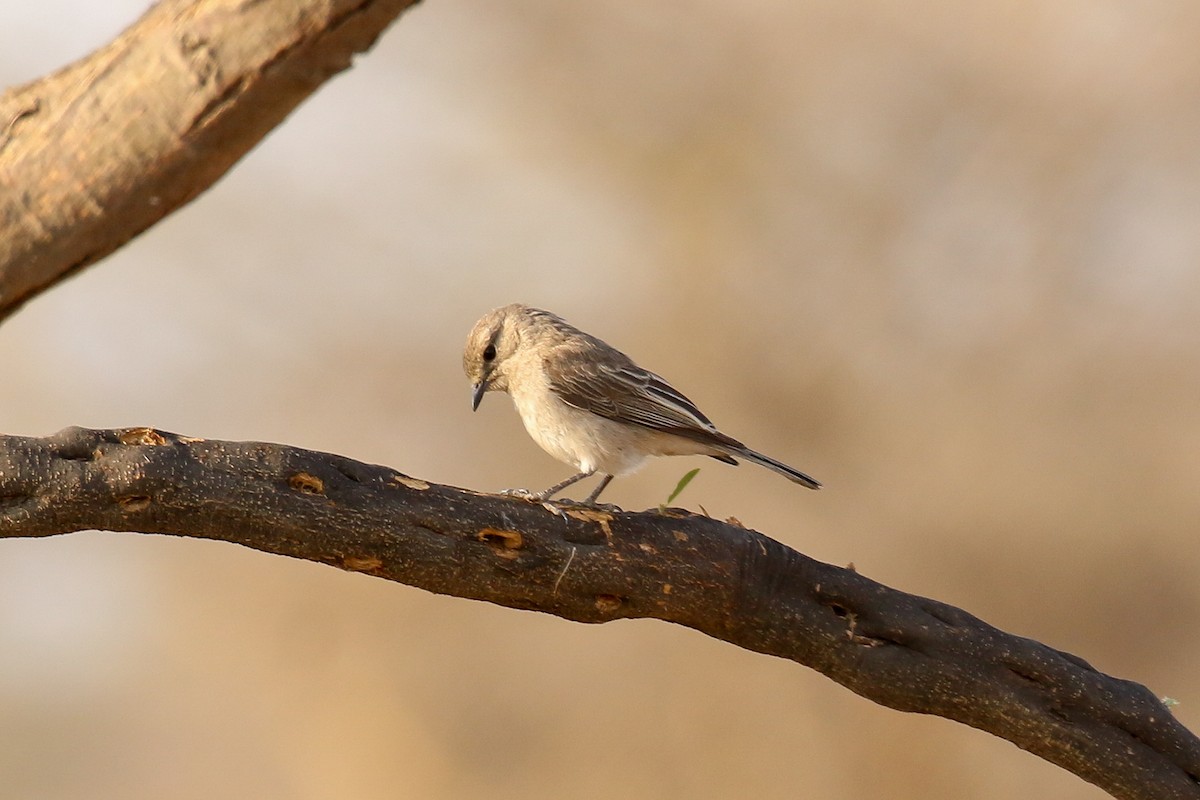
[(683, 482)]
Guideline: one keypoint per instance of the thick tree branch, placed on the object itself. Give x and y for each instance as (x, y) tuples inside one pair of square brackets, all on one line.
[(96, 153), (900, 650)]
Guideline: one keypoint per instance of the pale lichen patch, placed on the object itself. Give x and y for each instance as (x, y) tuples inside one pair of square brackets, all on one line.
[(411, 483)]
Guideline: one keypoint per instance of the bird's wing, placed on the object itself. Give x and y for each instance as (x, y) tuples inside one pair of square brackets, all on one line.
[(627, 393)]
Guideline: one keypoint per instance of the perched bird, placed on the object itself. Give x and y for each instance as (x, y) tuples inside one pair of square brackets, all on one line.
[(587, 404)]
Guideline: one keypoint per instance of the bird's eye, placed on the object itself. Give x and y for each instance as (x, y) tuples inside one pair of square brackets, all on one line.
[(489, 353)]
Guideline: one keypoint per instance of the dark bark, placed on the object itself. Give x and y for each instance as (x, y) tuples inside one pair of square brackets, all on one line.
[(101, 150), (900, 650)]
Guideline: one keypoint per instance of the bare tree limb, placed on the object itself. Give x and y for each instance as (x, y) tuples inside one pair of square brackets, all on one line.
[(900, 650), (101, 150), (96, 153)]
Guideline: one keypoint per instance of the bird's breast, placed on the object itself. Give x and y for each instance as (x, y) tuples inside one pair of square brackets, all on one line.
[(574, 436)]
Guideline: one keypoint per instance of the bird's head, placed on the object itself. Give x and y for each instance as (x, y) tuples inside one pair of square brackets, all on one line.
[(492, 343)]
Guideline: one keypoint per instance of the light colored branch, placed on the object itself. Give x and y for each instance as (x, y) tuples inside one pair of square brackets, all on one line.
[(96, 153)]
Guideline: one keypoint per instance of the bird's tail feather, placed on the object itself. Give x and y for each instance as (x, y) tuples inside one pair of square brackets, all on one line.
[(790, 473)]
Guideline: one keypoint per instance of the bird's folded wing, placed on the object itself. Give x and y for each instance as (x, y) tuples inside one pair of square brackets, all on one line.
[(628, 393)]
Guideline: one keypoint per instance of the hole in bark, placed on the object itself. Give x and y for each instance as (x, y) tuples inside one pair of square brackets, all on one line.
[(307, 484), (608, 603), (362, 563), (143, 436), (505, 543), (133, 503)]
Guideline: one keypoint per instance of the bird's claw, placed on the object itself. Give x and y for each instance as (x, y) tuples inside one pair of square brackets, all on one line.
[(590, 506), (522, 494), (556, 506)]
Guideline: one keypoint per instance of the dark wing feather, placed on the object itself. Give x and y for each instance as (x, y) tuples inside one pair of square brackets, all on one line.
[(618, 389)]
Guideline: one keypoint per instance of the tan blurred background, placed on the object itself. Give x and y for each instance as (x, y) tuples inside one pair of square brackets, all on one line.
[(945, 258)]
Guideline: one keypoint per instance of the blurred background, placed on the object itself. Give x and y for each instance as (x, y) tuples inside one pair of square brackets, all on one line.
[(947, 261)]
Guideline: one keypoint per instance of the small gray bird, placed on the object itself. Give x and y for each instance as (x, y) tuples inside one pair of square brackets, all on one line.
[(587, 404)]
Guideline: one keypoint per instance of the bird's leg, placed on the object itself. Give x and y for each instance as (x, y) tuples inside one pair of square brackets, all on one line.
[(558, 487), (591, 498), (552, 505)]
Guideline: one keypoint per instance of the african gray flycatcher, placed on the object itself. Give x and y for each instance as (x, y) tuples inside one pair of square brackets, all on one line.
[(587, 404)]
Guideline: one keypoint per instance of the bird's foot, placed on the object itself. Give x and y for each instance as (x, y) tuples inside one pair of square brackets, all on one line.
[(535, 497), (557, 505), (589, 505), (554, 508), (523, 494)]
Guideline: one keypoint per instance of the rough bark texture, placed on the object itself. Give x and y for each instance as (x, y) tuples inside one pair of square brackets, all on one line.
[(903, 651), (101, 150), (96, 153)]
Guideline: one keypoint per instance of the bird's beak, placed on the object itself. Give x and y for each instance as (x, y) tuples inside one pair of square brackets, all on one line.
[(477, 393)]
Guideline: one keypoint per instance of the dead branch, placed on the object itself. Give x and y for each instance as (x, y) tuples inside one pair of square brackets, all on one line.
[(96, 153), (900, 650)]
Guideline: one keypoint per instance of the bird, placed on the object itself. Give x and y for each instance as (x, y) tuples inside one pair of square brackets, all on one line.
[(588, 404)]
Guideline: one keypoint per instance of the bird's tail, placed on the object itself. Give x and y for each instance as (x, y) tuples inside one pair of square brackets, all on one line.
[(778, 466)]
